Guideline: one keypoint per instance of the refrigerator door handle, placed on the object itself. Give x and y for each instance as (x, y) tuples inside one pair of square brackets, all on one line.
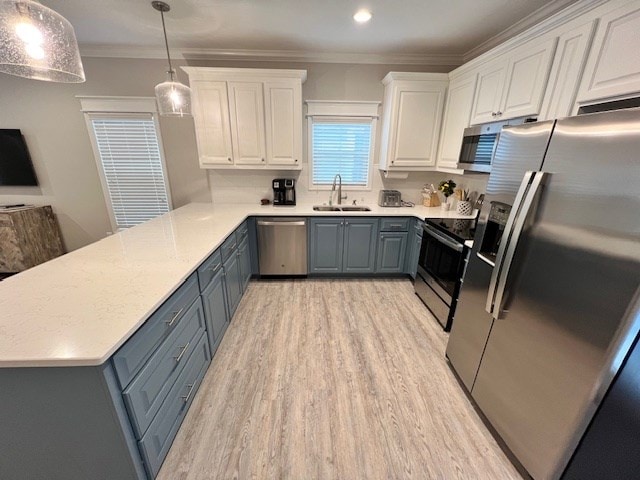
[(496, 274), (513, 242)]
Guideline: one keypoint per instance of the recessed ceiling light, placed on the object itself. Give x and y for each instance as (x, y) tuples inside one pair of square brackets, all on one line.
[(362, 16)]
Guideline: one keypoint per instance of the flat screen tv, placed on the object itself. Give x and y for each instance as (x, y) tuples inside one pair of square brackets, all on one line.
[(16, 168)]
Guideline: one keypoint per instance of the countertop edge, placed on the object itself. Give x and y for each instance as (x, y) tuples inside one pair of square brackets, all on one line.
[(249, 211)]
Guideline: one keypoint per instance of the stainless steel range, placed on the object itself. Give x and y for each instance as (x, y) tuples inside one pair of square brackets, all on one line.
[(441, 266)]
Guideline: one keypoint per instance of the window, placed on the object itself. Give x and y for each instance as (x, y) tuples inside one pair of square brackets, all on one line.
[(128, 152), (341, 137)]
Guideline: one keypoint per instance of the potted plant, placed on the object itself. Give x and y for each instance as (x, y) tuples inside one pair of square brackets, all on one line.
[(447, 187)]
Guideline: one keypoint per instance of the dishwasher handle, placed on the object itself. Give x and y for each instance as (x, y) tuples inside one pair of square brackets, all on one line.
[(297, 223)]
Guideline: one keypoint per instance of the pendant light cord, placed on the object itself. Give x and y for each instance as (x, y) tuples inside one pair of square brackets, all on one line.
[(166, 42)]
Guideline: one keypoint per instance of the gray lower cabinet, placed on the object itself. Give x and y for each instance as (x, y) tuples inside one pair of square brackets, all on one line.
[(392, 248), (145, 394), (231, 268), (359, 251), (215, 309), (325, 245), (244, 262), (415, 242), (156, 442)]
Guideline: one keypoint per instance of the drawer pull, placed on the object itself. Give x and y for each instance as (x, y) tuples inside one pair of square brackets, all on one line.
[(182, 350), (215, 267), (188, 395), (174, 318)]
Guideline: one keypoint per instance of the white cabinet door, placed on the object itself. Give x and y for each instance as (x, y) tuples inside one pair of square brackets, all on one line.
[(613, 67), (489, 92), (246, 108), (211, 118), (455, 119), (283, 116), (527, 76), (418, 108), (566, 72)]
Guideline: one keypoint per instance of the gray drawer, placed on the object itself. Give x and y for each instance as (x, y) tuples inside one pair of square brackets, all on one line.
[(209, 268), (147, 391), (229, 247), (134, 353), (394, 224), (242, 232), (156, 442)]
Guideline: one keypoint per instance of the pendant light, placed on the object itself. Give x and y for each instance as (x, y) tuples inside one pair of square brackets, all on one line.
[(174, 98), (36, 42)]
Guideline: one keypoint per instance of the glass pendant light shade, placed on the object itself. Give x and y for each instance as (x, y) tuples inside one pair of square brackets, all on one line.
[(174, 98), (38, 43)]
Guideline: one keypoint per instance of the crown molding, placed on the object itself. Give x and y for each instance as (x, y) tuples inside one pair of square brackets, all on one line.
[(120, 51), (537, 23)]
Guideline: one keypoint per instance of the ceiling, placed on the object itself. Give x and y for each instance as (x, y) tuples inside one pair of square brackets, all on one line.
[(404, 28)]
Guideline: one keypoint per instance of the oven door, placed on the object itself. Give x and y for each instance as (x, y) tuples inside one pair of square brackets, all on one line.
[(441, 258)]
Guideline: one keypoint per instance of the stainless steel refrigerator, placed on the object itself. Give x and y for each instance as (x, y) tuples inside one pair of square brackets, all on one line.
[(551, 298)]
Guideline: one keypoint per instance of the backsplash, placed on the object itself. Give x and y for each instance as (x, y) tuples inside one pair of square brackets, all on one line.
[(250, 186)]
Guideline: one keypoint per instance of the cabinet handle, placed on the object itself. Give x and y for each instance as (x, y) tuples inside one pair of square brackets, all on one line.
[(346, 223), (216, 267), (174, 318), (296, 160), (229, 158), (263, 159), (188, 395), (381, 237), (182, 350), (393, 161), (498, 113)]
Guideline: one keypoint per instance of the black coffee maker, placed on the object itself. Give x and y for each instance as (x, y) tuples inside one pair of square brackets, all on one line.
[(284, 191)]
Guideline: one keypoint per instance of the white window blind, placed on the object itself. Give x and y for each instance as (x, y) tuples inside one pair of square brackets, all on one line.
[(130, 156), (341, 146)]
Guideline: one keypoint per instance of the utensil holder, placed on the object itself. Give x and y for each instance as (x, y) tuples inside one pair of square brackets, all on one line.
[(464, 207)]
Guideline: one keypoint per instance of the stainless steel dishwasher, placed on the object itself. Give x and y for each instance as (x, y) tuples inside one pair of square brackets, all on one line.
[(282, 246)]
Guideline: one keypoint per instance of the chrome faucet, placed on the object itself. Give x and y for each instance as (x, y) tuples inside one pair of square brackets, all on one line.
[(333, 189)]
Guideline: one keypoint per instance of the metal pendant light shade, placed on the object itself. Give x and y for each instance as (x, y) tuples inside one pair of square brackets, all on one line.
[(174, 98), (38, 43)]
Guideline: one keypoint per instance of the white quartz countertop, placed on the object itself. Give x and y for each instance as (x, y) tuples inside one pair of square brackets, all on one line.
[(78, 309)]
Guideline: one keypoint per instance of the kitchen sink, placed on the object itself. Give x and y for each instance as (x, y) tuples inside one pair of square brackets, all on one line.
[(326, 208), (354, 208), (346, 208)]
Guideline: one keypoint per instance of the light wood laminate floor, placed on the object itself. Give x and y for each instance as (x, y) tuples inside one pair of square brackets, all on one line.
[(333, 379)]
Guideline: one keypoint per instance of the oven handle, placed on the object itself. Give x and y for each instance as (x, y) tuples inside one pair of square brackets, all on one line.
[(458, 247)]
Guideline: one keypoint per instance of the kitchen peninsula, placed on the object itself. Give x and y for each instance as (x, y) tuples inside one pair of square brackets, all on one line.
[(79, 333)]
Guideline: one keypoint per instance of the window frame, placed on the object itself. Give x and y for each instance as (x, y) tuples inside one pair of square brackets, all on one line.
[(346, 112), (121, 107)]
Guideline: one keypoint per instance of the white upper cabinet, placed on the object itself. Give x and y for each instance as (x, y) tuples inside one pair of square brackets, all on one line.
[(566, 72), (246, 107), (247, 118), (526, 80), (456, 119), (412, 112), (513, 86), (211, 117), (284, 119), (613, 67), (489, 93)]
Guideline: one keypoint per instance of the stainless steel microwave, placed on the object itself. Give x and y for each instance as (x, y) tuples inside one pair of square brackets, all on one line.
[(479, 143)]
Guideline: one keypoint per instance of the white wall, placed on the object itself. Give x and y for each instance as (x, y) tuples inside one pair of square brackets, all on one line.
[(50, 118)]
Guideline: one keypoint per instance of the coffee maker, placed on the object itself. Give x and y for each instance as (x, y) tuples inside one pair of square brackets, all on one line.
[(284, 191)]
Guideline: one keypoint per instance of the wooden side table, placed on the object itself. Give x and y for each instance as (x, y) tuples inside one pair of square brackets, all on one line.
[(28, 236)]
